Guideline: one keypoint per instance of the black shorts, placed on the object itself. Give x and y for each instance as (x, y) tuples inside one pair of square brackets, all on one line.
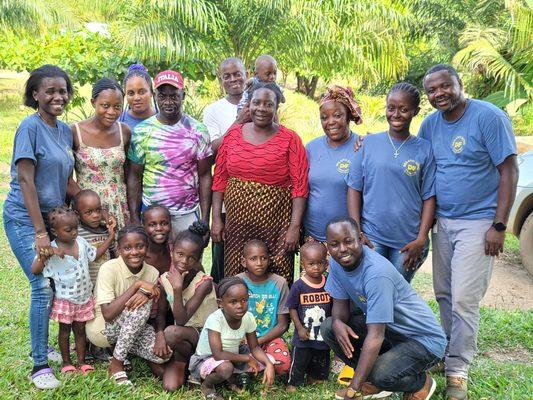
[(311, 362)]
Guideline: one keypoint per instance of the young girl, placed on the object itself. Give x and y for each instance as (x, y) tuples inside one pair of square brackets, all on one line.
[(268, 295), (139, 96), (69, 269), (392, 186), (156, 221), (217, 356), (191, 295), (124, 291), (100, 147)]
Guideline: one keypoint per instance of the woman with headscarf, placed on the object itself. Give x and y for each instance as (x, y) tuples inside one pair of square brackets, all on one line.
[(330, 157), (261, 175)]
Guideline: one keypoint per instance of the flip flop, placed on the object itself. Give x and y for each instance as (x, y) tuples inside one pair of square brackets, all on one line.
[(346, 375), (68, 369), (86, 368)]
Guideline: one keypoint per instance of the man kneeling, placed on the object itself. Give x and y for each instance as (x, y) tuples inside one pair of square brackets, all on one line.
[(397, 339)]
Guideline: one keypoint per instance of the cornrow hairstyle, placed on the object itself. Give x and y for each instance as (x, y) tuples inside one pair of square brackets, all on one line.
[(154, 207), (81, 194), (55, 215), (194, 233), (255, 242), (36, 78), (132, 228), (270, 86), (228, 282), (411, 90), (443, 67), (351, 221), (140, 71), (105, 84)]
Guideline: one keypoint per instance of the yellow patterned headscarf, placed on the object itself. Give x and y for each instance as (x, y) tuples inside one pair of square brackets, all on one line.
[(345, 97)]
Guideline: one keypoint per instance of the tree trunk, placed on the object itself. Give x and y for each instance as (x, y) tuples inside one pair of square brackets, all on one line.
[(306, 86)]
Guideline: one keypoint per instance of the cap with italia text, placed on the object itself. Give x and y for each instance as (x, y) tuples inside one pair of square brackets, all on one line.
[(168, 77)]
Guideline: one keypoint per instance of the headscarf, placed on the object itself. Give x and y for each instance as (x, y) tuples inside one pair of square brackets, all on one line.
[(344, 96)]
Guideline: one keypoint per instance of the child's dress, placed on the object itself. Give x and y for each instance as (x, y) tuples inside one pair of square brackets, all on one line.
[(73, 287)]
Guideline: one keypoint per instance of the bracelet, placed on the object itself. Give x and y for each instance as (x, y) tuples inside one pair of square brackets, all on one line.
[(41, 235), (145, 292)]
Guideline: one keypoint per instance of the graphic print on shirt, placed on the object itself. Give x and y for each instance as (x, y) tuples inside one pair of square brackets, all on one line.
[(458, 144), (411, 167), (265, 306), (343, 165), (314, 313)]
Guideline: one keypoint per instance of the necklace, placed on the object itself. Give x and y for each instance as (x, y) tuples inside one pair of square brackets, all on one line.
[(397, 150), (55, 136)]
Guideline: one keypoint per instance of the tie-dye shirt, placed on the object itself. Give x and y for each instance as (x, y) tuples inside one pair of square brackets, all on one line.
[(170, 155)]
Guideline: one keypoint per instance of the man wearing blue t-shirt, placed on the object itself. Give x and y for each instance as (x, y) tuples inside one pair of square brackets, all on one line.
[(398, 337), (475, 183)]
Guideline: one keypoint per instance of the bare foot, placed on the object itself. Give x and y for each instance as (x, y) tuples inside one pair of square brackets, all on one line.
[(291, 389)]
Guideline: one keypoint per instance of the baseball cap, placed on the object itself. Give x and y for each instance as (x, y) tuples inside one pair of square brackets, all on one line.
[(168, 77)]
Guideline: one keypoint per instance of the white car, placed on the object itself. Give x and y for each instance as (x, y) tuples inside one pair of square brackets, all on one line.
[(521, 217)]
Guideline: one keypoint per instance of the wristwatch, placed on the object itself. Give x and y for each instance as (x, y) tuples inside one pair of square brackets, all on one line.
[(499, 226), (351, 393)]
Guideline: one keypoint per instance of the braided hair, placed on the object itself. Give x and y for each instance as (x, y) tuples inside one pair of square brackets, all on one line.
[(57, 213), (140, 71), (442, 67), (411, 90), (228, 282), (105, 84), (132, 228), (194, 233)]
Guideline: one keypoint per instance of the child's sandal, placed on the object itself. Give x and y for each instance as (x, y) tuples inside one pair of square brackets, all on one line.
[(68, 369), (86, 368), (121, 378)]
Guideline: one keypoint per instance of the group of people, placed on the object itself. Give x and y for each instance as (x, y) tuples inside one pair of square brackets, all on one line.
[(109, 218)]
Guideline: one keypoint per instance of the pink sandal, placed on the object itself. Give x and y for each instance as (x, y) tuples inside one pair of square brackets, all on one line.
[(68, 369), (86, 368)]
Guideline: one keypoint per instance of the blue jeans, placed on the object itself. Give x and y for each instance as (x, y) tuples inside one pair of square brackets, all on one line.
[(21, 238), (397, 258), (402, 362)]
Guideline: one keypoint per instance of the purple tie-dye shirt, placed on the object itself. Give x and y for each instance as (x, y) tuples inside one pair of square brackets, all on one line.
[(170, 155)]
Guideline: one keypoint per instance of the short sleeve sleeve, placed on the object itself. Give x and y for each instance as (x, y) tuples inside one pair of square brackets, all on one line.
[(105, 284), (428, 176), (284, 294), (423, 132), (293, 299), (49, 270), (24, 146), (90, 250), (250, 323), (136, 152), (298, 167), (380, 297), (210, 122), (334, 288), (213, 322), (204, 142), (499, 139), (354, 178)]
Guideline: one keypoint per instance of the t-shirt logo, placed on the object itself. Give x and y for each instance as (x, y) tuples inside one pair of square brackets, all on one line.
[(343, 165), (411, 167), (458, 144)]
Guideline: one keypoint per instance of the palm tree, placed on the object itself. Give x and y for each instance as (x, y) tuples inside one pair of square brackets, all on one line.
[(503, 55)]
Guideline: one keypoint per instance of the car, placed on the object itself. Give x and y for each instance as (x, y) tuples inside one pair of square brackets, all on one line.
[(521, 216)]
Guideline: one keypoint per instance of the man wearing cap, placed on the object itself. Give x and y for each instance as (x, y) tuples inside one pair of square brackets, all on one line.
[(170, 159)]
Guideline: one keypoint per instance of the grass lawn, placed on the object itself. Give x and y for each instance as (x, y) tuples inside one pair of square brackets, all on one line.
[(504, 335)]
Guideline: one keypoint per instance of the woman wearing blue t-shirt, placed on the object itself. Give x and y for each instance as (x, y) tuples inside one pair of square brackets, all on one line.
[(139, 96), (330, 157), (41, 169), (392, 186)]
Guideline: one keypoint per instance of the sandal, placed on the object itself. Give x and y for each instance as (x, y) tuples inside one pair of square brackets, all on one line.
[(121, 378), (128, 367), (68, 369), (86, 368), (45, 379)]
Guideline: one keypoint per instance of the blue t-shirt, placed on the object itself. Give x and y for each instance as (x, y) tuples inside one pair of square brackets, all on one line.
[(130, 120), (467, 153), (266, 300), (328, 167), (393, 189), (386, 298), (50, 150)]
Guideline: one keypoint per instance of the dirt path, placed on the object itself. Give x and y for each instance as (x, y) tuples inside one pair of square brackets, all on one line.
[(511, 286)]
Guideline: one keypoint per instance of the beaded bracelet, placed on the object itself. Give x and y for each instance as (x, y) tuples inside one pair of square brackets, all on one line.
[(41, 235)]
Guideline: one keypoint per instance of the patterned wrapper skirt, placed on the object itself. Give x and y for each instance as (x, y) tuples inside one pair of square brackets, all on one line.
[(257, 211)]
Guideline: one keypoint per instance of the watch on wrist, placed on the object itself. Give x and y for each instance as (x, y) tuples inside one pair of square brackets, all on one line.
[(351, 393), (145, 292), (499, 226)]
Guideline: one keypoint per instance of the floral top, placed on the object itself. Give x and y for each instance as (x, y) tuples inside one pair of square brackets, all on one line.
[(102, 170)]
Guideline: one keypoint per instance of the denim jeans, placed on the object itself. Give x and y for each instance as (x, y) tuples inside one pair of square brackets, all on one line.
[(401, 365), (21, 238), (397, 258)]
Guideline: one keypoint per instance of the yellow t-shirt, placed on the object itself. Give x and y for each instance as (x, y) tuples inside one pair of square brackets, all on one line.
[(114, 278)]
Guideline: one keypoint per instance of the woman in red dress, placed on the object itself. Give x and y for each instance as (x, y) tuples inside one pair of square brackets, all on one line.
[(261, 176)]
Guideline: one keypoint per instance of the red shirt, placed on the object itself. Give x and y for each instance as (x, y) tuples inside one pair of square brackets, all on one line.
[(280, 161)]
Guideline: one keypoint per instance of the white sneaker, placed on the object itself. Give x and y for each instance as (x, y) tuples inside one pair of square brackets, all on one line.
[(45, 379)]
